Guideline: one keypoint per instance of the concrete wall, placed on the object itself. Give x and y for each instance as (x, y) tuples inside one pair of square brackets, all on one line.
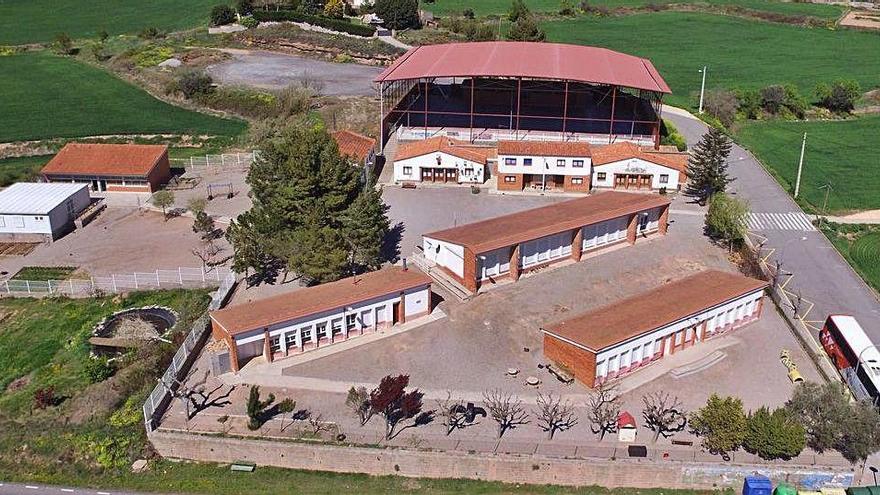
[(477, 173), (550, 165), (445, 254), (510, 468), (636, 166)]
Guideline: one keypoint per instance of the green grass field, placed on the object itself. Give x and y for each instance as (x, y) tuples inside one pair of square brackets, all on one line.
[(495, 7), (36, 21), (46, 96), (838, 153), (20, 169), (860, 245), (44, 273), (739, 52)]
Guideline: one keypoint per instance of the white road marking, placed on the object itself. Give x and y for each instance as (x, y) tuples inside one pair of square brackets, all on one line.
[(103, 493), (780, 221), (68, 490), (31, 487)]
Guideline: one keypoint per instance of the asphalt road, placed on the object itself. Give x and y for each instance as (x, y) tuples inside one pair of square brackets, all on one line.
[(41, 489), (820, 274)]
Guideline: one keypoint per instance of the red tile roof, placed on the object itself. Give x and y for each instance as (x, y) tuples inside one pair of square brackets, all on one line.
[(625, 150), (454, 147), (523, 226), (643, 313), (105, 159), (353, 144), (524, 59), (303, 302), (544, 148)]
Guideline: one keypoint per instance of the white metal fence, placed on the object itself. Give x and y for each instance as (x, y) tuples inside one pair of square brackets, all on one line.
[(159, 279), (160, 397), (207, 162)]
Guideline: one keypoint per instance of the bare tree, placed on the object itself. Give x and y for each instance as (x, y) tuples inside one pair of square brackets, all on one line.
[(317, 424), (456, 415), (207, 253), (555, 415), (506, 409), (604, 406), (193, 395), (358, 401), (663, 413)]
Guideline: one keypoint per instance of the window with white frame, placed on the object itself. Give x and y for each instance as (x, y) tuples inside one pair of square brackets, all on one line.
[(664, 178), (600, 176), (577, 181), (509, 178), (560, 163), (527, 162), (577, 163), (510, 161), (407, 170)]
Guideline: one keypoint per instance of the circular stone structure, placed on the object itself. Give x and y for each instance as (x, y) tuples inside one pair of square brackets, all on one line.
[(132, 328)]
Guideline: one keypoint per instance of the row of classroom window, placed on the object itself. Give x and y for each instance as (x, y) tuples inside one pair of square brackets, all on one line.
[(527, 162), (610, 366), (557, 246)]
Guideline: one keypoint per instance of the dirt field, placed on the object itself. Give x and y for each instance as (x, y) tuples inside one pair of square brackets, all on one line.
[(120, 240), (862, 19)]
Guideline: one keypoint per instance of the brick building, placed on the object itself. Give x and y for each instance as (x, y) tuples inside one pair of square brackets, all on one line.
[(507, 246), (626, 335), (628, 166), (544, 165), (305, 319), (111, 167)]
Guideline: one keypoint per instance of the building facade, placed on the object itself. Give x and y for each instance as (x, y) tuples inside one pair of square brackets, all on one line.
[(35, 212), (552, 165), (505, 247), (441, 160), (306, 319), (142, 168), (624, 336), (629, 167)]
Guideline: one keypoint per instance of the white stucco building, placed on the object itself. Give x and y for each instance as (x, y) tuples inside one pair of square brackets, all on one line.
[(32, 211), (631, 333), (307, 318), (627, 166), (544, 165), (442, 160)]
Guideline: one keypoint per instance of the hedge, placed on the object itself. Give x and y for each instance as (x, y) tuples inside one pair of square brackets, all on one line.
[(325, 22)]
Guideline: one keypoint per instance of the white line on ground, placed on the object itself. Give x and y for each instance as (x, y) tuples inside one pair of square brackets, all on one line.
[(103, 493), (31, 487), (68, 490)]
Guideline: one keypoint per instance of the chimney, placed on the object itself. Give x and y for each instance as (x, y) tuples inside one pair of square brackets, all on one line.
[(404, 264)]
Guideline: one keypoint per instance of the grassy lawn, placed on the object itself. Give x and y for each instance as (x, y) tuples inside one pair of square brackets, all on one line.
[(35, 21), (495, 7), (46, 96), (860, 245), (681, 43), (837, 153), (20, 169), (218, 480), (44, 273)]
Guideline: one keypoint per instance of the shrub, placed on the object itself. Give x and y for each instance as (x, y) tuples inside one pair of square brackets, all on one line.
[(518, 10), (772, 98), (151, 33), (334, 9), (775, 435), (669, 135), (723, 105), (129, 414), (794, 102), (194, 82), (222, 15), (566, 7), (472, 29), (244, 7), (64, 44), (249, 22), (44, 397), (468, 13), (399, 14), (151, 55), (749, 103), (98, 369), (840, 96), (526, 29), (295, 16)]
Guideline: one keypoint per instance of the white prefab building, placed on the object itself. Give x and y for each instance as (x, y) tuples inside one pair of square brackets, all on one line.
[(441, 160), (626, 166), (33, 212), (312, 317), (544, 165), (626, 335)]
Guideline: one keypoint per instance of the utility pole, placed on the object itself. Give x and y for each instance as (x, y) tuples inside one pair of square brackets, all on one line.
[(702, 88), (827, 188), (797, 183)]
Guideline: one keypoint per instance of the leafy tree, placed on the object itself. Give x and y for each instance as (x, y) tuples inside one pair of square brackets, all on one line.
[(398, 14), (749, 103), (726, 219), (518, 10), (249, 247), (163, 199), (391, 400), (822, 410), (64, 44), (526, 29), (204, 225), (604, 409), (194, 83), (244, 7), (707, 165), (861, 435), (256, 408), (772, 98), (358, 400), (775, 435), (663, 413), (222, 15), (334, 9), (196, 205), (721, 423), (840, 96)]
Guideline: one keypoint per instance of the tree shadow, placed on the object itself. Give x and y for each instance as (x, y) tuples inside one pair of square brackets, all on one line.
[(268, 275), (390, 250)]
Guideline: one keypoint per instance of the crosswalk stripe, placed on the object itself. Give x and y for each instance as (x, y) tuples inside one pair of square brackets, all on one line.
[(780, 221)]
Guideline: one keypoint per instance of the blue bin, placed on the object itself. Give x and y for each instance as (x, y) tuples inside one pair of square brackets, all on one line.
[(757, 485)]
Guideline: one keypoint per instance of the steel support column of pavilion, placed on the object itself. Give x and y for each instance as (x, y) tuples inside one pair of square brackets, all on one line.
[(613, 105), (472, 110), (564, 110), (518, 94)]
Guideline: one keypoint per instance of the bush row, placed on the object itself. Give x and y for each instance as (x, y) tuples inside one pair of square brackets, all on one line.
[(325, 22)]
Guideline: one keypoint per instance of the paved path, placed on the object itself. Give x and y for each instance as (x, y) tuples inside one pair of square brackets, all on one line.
[(760, 222), (869, 216), (821, 274), (41, 489)]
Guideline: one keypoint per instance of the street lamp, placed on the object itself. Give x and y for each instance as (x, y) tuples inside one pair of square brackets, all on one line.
[(874, 472), (702, 87)]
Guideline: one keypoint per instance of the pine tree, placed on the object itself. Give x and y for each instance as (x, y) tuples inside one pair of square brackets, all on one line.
[(775, 435), (365, 225), (707, 166)]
